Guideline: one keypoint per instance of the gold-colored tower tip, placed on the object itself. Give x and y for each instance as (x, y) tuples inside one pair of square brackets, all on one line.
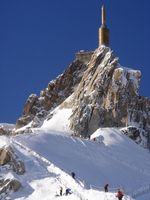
[(103, 15), (103, 31)]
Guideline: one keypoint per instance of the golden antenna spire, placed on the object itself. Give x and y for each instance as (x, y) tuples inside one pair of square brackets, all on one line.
[(103, 31), (103, 15)]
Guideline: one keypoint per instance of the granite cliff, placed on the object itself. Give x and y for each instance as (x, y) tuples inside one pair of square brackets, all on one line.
[(105, 94)]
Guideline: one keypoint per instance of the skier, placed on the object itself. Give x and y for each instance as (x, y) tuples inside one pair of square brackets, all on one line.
[(68, 191), (119, 195), (106, 187), (73, 175)]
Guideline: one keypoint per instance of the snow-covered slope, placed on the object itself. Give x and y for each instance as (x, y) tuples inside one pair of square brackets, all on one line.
[(50, 158), (58, 123)]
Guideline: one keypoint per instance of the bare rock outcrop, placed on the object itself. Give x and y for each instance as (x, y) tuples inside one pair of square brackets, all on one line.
[(136, 134), (9, 185), (7, 156), (10, 161)]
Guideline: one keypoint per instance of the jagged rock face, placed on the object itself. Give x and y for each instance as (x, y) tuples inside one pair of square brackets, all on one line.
[(7, 156), (57, 91), (9, 185), (9, 161), (4, 156), (139, 112), (132, 132), (139, 116), (107, 95)]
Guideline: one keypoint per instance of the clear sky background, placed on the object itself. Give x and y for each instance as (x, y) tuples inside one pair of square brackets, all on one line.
[(38, 40)]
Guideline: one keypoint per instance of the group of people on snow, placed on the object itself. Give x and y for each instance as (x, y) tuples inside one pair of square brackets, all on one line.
[(119, 194), (68, 191)]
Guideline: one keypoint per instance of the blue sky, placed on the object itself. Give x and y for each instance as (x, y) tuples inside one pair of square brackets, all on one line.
[(38, 40)]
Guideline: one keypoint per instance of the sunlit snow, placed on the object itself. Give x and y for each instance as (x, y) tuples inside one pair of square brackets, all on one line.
[(50, 154)]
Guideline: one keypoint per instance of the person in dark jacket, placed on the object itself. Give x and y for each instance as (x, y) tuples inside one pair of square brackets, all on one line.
[(119, 195), (68, 191), (61, 190), (106, 187), (73, 175)]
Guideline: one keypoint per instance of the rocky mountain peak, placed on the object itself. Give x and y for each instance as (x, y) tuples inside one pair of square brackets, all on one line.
[(104, 94), (107, 95)]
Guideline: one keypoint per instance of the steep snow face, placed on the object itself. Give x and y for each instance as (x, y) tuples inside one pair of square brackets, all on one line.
[(59, 122), (49, 160)]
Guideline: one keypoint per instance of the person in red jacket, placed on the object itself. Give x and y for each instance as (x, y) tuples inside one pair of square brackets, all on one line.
[(119, 195)]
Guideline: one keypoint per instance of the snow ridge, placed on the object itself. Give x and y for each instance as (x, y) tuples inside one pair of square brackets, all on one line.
[(50, 158)]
